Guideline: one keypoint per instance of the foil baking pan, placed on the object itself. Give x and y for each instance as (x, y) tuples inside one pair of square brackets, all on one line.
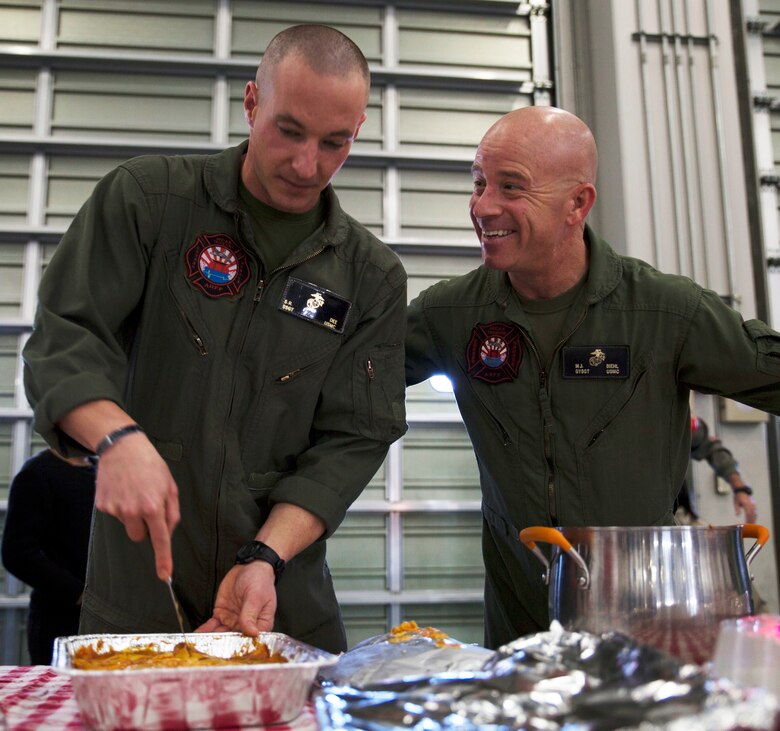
[(153, 699)]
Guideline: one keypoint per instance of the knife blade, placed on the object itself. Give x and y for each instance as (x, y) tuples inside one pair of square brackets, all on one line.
[(179, 616)]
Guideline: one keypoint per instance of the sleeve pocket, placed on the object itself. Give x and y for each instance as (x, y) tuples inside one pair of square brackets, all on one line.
[(378, 392), (767, 342)]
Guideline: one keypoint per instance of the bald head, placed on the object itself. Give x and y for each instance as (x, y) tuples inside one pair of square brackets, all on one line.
[(553, 141), (324, 49)]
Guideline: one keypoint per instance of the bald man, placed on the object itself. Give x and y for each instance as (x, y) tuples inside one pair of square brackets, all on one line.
[(571, 365), (229, 342)]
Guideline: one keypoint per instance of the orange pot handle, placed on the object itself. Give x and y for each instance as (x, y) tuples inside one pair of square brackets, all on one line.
[(542, 534), (760, 533)]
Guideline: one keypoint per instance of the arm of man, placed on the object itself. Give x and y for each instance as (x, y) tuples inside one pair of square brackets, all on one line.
[(133, 482), (77, 358), (246, 599), (421, 361)]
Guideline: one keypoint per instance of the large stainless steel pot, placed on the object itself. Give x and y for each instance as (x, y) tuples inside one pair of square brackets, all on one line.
[(667, 586)]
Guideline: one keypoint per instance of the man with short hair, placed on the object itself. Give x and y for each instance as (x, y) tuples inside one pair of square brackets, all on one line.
[(172, 339), (571, 365)]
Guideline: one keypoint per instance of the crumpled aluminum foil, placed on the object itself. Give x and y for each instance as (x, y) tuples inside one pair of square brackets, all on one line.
[(378, 659), (553, 681)]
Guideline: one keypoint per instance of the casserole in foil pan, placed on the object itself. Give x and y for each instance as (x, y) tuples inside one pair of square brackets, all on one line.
[(152, 699)]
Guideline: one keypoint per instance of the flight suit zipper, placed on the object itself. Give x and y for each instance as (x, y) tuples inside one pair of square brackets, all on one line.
[(256, 299), (547, 428)]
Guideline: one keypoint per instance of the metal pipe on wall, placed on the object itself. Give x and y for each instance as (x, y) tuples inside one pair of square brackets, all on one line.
[(688, 143), (734, 299), (702, 276), (649, 137), (670, 129)]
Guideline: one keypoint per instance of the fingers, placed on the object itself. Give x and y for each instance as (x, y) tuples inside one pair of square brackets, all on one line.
[(161, 545), (213, 625)]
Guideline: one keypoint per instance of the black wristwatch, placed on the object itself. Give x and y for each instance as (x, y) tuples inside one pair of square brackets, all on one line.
[(743, 488), (258, 551)]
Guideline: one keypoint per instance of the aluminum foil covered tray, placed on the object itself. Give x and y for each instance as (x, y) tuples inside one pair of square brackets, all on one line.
[(153, 699)]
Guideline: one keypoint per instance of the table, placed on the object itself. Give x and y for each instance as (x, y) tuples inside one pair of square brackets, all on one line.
[(39, 699)]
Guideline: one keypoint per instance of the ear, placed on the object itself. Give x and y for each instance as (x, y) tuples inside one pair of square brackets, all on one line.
[(250, 102), (359, 125), (583, 198)]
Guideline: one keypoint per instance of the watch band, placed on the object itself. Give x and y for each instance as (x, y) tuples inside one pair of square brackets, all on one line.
[(112, 438), (259, 551), (743, 488)]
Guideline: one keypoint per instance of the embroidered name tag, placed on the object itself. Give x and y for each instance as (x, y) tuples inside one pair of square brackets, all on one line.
[(595, 361), (315, 304)]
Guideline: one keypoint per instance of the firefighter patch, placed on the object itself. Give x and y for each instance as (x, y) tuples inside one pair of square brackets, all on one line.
[(494, 352), (217, 265)]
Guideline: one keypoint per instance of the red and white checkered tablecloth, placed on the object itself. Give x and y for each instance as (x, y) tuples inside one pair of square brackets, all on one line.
[(39, 699)]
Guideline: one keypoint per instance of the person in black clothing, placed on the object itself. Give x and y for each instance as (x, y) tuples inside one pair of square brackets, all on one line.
[(45, 544)]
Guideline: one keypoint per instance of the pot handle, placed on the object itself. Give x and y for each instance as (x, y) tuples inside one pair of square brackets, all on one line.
[(542, 534), (761, 534)]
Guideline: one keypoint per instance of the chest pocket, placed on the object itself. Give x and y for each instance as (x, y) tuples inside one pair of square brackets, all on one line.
[(378, 392)]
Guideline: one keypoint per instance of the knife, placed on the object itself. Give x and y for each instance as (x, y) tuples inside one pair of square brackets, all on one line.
[(177, 607)]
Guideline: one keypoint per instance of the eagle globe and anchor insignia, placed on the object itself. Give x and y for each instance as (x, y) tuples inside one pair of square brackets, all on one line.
[(217, 265), (494, 352)]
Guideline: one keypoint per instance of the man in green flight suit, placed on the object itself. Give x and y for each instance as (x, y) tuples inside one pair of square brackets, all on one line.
[(175, 338), (571, 365)]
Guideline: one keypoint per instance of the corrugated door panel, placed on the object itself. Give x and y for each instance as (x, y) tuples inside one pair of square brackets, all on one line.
[(360, 193), (17, 99), (423, 270), (11, 278), (20, 22), (455, 119), (435, 204), (439, 464), (5, 445), (442, 551), (70, 182), (255, 23), (141, 105), (356, 553), (163, 27), (464, 39), (14, 182)]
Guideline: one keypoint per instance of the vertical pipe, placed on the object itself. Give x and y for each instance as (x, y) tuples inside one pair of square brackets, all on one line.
[(649, 138), (670, 128), (704, 277), (718, 114), (688, 142)]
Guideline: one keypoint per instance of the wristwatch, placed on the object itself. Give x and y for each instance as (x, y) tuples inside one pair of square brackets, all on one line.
[(744, 488), (258, 551)]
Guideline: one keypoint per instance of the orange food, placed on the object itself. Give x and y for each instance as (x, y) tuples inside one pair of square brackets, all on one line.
[(101, 657), (408, 630)]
